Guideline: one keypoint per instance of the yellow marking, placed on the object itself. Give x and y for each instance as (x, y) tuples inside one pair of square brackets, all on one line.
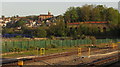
[(42, 51), (118, 42), (20, 63), (114, 45), (79, 51)]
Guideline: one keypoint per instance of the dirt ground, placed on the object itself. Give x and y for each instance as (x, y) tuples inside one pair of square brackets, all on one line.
[(75, 59)]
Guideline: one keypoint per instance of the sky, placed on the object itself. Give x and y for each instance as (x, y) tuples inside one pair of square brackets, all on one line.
[(60, 0), (11, 8)]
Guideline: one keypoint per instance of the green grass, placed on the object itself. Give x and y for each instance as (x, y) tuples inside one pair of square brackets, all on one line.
[(47, 51), (35, 52)]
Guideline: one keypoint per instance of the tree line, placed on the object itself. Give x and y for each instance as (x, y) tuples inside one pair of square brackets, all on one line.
[(91, 13), (74, 14)]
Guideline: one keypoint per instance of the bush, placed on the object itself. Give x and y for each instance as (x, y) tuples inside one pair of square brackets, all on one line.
[(93, 39), (15, 49), (18, 36), (51, 46), (52, 37), (40, 32)]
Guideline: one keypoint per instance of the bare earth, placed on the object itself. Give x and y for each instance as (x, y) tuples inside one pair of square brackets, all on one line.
[(75, 59)]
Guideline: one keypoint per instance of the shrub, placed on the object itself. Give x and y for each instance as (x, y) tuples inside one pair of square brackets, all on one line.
[(93, 39), (51, 46), (18, 36)]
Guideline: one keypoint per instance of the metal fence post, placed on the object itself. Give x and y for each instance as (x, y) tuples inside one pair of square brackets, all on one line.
[(21, 44), (45, 43), (50, 42), (34, 42), (28, 45), (6, 50), (13, 44)]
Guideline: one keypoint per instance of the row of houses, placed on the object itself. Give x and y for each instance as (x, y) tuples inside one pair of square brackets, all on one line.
[(42, 19), (3, 22)]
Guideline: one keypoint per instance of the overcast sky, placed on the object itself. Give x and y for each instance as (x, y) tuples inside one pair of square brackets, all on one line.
[(37, 8), (60, 0)]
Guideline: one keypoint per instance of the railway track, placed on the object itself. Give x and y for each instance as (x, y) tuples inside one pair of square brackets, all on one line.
[(30, 60), (105, 61)]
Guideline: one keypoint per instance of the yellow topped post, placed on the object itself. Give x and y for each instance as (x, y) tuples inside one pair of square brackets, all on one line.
[(113, 45), (79, 51), (42, 51), (118, 42), (20, 63), (89, 52)]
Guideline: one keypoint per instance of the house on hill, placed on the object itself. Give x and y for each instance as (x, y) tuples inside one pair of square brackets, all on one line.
[(45, 16)]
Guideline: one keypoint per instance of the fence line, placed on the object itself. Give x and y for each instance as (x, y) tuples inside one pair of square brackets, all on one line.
[(30, 45)]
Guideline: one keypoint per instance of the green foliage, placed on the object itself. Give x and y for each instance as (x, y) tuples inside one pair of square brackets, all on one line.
[(27, 30), (3, 17), (52, 37), (112, 16), (8, 30), (32, 17), (19, 23), (40, 32), (18, 36), (92, 13), (93, 39), (52, 46), (57, 30), (85, 12), (15, 50), (73, 14)]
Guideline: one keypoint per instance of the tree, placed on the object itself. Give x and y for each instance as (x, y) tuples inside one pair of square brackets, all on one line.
[(67, 16), (102, 10), (58, 30), (112, 16), (3, 17), (8, 31), (71, 15), (17, 16), (74, 15), (39, 32), (20, 23), (87, 29), (95, 15), (78, 10), (32, 17), (85, 12)]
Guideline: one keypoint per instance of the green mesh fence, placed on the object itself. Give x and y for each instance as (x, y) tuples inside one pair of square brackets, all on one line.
[(30, 45)]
